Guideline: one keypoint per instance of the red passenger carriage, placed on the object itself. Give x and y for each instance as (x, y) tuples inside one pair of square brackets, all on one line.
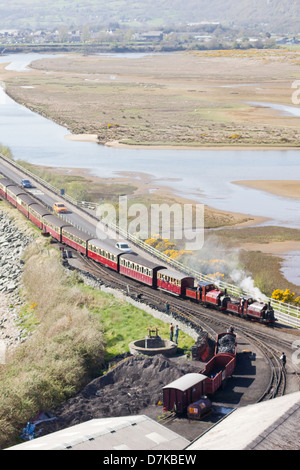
[(36, 212), (75, 238), (24, 201), (54, 225), (4, 183), (104, 253), (135, 266), (173, 282), (12, 192)]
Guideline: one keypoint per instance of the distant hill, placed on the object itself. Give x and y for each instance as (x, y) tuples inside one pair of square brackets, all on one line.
[(273, 15)]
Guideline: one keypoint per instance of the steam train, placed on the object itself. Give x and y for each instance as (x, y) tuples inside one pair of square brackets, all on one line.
[(133, 265)]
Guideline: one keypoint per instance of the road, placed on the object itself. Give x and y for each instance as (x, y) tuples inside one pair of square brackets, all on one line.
[(76, 216)]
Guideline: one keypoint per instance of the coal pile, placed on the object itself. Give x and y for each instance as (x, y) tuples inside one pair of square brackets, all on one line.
[(226, 344), (132, 387)]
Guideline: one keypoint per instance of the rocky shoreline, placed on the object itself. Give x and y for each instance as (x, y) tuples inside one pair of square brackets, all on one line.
[(12, 245)]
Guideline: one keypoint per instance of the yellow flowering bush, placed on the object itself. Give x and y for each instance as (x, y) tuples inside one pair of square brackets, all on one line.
[(285, 296)]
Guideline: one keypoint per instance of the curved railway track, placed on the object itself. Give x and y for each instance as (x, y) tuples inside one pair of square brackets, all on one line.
[(201, 319)]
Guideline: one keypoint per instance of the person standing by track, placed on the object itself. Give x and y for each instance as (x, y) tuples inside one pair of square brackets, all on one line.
[(171, 331), (283, 360), (176, 334)]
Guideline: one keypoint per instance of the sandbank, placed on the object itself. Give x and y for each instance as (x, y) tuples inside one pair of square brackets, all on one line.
[(82, 137), (273, 248), (283, 188), (118, 144)]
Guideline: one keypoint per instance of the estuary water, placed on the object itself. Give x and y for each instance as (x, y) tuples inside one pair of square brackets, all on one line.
[(204, 176)]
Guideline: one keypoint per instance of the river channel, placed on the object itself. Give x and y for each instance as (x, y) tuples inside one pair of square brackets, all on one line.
[(204, 176)]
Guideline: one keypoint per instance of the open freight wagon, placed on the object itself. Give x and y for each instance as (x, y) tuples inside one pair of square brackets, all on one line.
[(222, 365)]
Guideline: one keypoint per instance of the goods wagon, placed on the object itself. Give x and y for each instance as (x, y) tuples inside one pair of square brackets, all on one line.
[(139, 268), (104, 253), (75, 238), (201, 350), (223, 363), (173, 282), (178, 395)]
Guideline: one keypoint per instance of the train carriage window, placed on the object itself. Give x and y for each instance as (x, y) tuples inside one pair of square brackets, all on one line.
[(36, 215)]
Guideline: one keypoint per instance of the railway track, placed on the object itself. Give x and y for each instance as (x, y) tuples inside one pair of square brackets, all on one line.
[(200, 319)]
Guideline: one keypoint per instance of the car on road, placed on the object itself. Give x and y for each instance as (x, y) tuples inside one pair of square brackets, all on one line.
[(60, 208), (123, 246), (26, 184)]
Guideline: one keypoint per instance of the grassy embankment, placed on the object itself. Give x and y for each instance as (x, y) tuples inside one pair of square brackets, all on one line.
[(74, 330)]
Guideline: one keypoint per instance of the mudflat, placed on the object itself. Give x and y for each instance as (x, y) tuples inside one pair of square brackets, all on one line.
[(191, 99)]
